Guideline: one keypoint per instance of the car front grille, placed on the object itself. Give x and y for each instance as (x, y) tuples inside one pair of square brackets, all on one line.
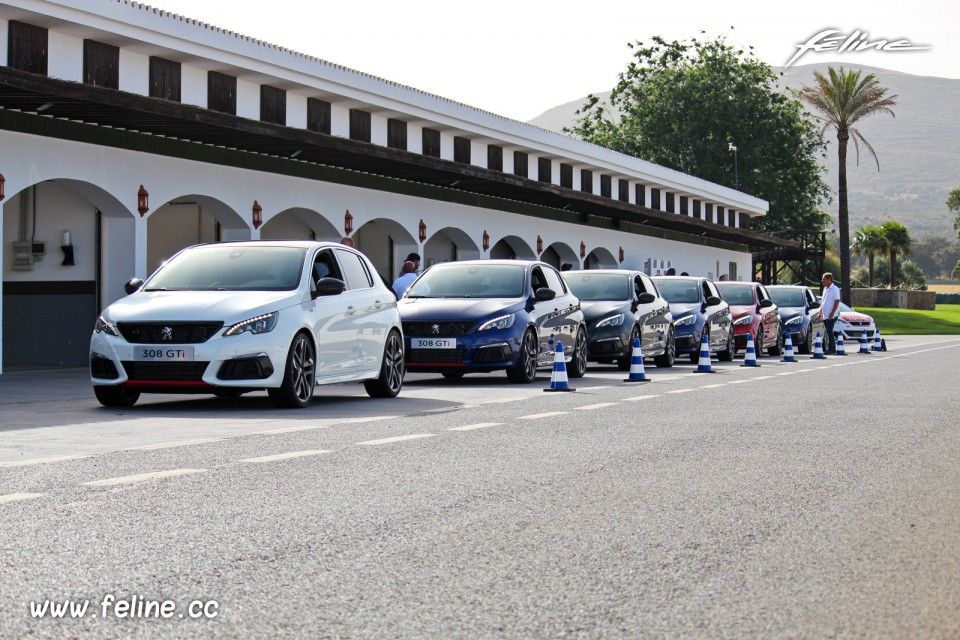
[(441, 329), (165, 371), (435, 356), (168, 332)]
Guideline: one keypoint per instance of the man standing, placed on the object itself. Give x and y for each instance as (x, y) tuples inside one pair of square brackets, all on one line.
[(829, 311), (407, 276), (415, 259)]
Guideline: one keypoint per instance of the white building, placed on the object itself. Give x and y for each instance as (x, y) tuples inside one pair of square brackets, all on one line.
[(233, 138)]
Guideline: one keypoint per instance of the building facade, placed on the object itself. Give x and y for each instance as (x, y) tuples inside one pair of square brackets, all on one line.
[(128, 133)]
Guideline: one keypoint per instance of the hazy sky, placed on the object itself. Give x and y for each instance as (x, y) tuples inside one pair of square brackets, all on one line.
[(519, 58)]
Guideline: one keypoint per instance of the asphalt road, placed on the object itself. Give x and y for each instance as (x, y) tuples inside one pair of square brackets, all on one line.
[(809, 500)]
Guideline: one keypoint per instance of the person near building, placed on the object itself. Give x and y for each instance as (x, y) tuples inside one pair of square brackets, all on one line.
[(415, 259), (408, 273), (671, 271), (346, 241), (829, 312)]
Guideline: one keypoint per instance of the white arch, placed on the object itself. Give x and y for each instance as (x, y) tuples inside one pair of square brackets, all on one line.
[(600, 258), (299, 223), (512, 247), (449, 244)]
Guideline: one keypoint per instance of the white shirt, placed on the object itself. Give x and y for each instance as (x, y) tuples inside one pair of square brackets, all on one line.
[(401, 284), (831, 296)]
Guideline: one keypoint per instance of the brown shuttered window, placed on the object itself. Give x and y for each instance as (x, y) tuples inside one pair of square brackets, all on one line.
[(655, 199), (431, 143), (222, 93), (606, 186), (640, 194), (461, 150), (624, 191), (101, 64), (731, 218), (586, 180), (696, 209), (495, 157), (544, 170), (273, 105), (520, 167), (396, 134), (708, 212), (359, 125), (318, 115), (683, 205), (720, 217), (566, 176), (27, 47), (164, 79), (744, 221), (671, 202)]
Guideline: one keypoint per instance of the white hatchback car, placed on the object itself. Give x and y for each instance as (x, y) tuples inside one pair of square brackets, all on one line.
[(233, 317)]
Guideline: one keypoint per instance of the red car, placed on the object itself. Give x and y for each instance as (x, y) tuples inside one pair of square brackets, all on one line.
[(754, 313)]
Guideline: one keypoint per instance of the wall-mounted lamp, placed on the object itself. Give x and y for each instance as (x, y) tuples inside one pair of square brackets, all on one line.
[(3, 181), (257, 215), (423, 230), (621, 254), (486, 240), (347, 223), (66, 245), (143, 201), (583, 250), (539, 245)]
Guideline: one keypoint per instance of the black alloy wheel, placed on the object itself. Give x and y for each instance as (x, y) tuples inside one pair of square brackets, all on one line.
[(526, 370), (390, 380)]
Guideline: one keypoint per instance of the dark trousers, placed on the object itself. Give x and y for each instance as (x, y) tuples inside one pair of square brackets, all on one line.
[(829, 342)]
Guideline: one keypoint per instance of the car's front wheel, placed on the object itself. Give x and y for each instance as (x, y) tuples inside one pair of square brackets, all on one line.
[(777, 348), (578, 362), (727, 354), (669, 352), (526, 370), (624, 362), (299, 377), (390, 380), (110, 396)]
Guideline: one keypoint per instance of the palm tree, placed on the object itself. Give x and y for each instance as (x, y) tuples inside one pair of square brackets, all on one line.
[(898, 243), (869, 241), (843, 98)]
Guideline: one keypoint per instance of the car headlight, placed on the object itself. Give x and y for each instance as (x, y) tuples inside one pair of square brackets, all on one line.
[(685, 321), (258, 324), (747, 319), (105, 326), (797, 320), (611, 321), (500, 322)]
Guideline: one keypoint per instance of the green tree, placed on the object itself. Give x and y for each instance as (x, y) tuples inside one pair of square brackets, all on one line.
[(843, 98), (898, 243), (683, 104), (869, 241), (953, 203)]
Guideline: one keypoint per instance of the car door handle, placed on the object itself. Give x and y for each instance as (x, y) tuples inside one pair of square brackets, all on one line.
[(350, 310), (377, 304)]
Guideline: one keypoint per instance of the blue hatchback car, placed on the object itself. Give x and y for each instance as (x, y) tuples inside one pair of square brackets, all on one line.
[(698, 309), (489, 315)]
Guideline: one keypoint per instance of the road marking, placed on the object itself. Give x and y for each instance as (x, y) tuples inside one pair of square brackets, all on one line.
[(24, 463), (142, 477), (170, 445), (681, 391), (308, 427), (599, 405), (711, 386), (763, 377), (288, 456), (636, 398), (741, 381), (413, 436), (16, 497), (604, 386), (367, 419), (787, 373), (479, 425), (502, 400), (537, 416)]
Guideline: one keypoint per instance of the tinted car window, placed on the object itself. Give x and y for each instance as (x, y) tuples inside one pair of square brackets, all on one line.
[(710, 289), (735, 294), (325, 266), (454, 280), (356, 273), (554, 281), (231, 268), (537, 281), (591, 287), (679, 291), (787, 297)]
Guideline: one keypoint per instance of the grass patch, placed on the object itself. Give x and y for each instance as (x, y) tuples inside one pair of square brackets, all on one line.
[(944, 320)]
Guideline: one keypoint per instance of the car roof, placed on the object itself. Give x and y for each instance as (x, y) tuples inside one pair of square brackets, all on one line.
[(525, 263), (678, 278), (617, 272)]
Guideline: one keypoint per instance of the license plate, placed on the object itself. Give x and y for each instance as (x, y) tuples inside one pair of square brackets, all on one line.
[(163, 354), (433, 343)]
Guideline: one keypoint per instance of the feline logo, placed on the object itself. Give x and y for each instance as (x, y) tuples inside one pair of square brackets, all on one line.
[(836, 40)]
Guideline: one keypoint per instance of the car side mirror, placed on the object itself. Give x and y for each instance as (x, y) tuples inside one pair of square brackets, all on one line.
[(543, 293), (766, 304), (133, 286), (328, 287), (646, 297), (814, 305), (713, 301)]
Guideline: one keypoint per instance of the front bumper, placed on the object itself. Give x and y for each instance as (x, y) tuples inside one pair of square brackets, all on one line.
[(484, 351)]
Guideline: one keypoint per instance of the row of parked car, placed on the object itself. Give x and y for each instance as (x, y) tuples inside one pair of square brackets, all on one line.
[(229, 318)]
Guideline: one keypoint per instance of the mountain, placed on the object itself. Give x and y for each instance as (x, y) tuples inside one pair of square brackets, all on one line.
[(919, 151)]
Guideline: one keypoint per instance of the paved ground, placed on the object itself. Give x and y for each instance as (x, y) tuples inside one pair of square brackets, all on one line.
[(808, 500)]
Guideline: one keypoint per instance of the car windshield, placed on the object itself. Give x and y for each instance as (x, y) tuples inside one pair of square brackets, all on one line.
[(230, 268), (786, 297), (679, 291), (844, 308), (592, 287), (452, 280), (736, 293)]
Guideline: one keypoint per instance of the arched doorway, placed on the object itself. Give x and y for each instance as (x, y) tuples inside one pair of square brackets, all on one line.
[(558, 254), (386, 242), (189, 220), (448, 245), (298, 223), (600, 258), (512, 248)]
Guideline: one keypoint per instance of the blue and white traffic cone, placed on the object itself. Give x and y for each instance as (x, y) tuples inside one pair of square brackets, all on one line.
[(750, 355), (818, 347), (876, 340), (703, 365), (883, 345), (788, 350), (637, 373), (863, 343), (558, 380), (841, 350)]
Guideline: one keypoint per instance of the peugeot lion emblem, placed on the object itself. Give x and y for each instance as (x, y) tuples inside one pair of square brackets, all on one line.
[(166, 334), (435, 329)]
